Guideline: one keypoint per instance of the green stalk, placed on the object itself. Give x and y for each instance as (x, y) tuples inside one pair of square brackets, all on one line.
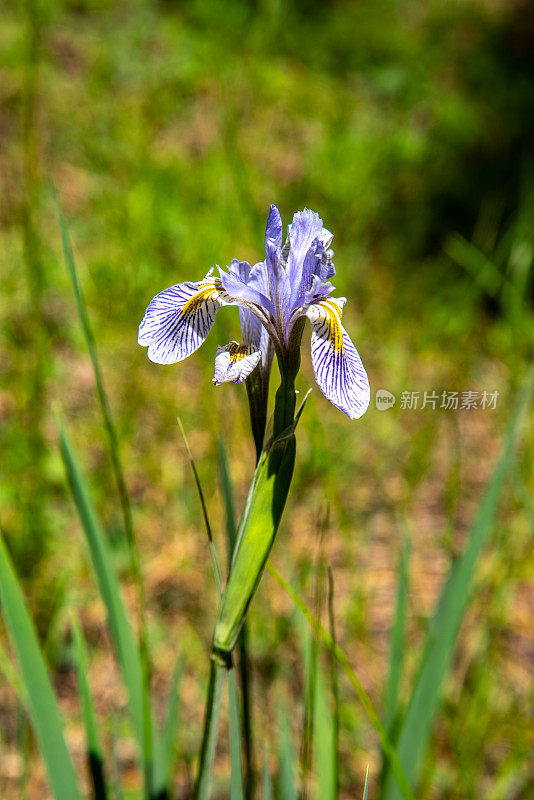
[(242, 642), (211, 726), (257, 403)]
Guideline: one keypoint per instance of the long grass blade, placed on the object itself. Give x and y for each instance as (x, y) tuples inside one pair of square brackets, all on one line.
[(101, 392), (334, 682), (366, 785), (150, 746), (398, 636), (207, 525), (286, 760), (95, 757), (121, 631), (346, 666), (266, 780), (42, 702), (313, 696), (309, 648), (324, 753), (439, 647), (171, 720), (12, 676)]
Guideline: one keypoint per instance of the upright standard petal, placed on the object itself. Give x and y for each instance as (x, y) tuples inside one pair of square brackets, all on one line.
[(234, 362), (273, 231), (306, 228), (178, 319), (338, 368)]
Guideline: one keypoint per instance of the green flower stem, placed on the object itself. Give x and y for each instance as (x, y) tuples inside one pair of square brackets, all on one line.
[(211, 726), (257, 393), (286, 398)]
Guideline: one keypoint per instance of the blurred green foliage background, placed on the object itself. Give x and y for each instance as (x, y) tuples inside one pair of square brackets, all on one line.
[(167, 129)]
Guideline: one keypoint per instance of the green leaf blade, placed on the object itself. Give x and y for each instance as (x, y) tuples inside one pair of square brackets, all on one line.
[(121, 631), (286, 759), (398, 636), (171, 721), (42, 702), (95, 757)]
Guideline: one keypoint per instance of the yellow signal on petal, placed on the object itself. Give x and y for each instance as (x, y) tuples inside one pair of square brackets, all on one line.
[(333, 321), (207, 291), (238, 351)]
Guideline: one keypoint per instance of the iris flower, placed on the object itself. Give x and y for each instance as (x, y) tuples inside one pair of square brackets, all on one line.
[(274, 298)]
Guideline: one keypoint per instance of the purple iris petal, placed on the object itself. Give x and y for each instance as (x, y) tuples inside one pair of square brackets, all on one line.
[(277, 279), (273, 230), (253, 331), (241, 269), (325, 269), (234, 362), (178, 320), (338, 368), (306, 227), (318, 290), (240, 290)]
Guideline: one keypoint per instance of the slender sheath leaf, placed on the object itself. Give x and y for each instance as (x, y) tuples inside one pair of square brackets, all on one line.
[(95, 757), (256, 533), (345, 665), (237, 789), (260, 519), (439, 647), (43, 706)]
